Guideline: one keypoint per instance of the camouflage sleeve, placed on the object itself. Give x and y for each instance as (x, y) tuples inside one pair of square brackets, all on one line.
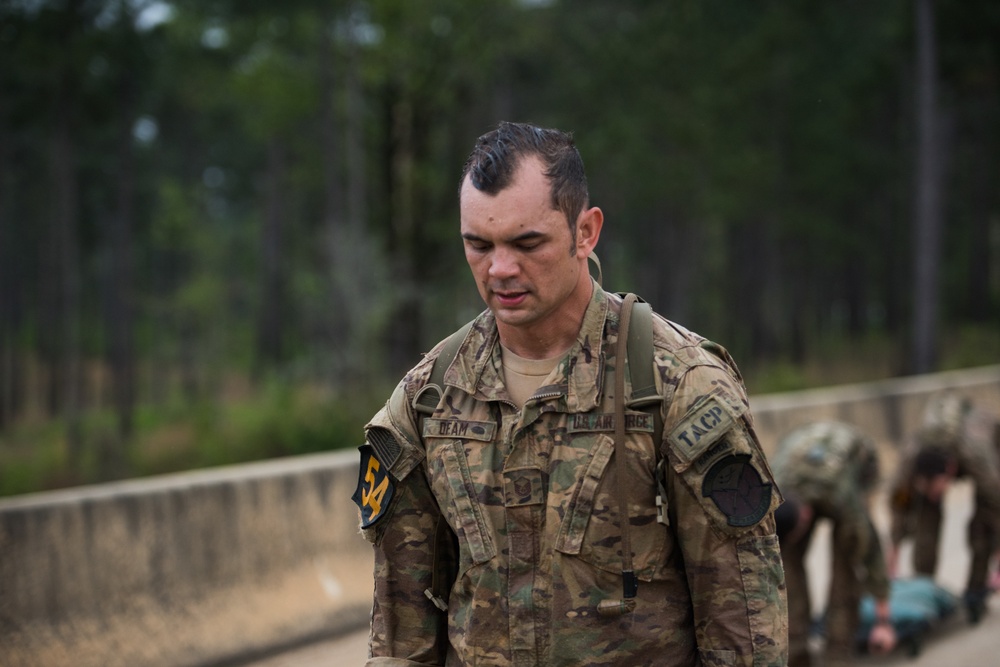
[(980, 462), (856, 534), (876, 571), (399, 512), (723, 495)]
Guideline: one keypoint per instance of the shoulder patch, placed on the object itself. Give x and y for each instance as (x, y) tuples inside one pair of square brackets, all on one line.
[(375, 487), (705, 423), (738, 490)]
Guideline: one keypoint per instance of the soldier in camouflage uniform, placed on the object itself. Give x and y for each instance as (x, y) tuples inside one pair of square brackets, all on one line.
[(828, 470), (955, 441), (495, 520)]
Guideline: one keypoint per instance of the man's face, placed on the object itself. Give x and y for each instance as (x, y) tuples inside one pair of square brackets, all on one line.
[(526, 263), (933, 487)]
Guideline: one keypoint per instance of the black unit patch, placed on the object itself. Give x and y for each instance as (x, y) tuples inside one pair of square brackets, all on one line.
[(375, 487), (737, 489)]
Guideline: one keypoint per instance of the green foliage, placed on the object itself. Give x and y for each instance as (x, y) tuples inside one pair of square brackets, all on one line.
[(293, 214), (969, 345), (834, 360), (33, 459), (280, 420)]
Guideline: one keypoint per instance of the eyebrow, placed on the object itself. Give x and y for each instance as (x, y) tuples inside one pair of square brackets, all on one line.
[(469, 236)]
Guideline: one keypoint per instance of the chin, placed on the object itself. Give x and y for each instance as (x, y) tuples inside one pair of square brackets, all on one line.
[(512, 318)]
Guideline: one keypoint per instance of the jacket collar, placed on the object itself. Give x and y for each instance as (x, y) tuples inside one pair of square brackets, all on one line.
[(576, 381)]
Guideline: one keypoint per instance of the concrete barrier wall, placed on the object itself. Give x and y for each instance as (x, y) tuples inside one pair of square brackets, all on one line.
[(888, 411), (213, 567), (190, 569)]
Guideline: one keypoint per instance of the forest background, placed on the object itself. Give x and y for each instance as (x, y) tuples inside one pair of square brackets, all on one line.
[(227, 227)]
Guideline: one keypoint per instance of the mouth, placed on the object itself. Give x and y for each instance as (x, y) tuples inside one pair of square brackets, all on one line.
[(510, 298)]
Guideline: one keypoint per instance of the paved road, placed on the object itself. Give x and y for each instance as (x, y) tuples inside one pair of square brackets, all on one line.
[(955, 643)]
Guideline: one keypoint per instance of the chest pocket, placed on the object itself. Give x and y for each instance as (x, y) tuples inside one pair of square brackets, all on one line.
[(590, 528), (452, 483)]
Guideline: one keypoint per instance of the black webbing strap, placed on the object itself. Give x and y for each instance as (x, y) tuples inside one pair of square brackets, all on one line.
[(437, 592)]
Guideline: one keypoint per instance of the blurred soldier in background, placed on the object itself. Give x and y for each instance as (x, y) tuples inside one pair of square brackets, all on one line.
[(955, 441), (827, 470)]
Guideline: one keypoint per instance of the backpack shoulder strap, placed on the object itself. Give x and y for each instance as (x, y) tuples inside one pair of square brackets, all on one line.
[(424, 404), (639, 352), (640, 356), (429, 395)]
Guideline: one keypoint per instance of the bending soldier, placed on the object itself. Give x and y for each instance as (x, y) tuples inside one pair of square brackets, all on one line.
[(955, 441), (828, 470)]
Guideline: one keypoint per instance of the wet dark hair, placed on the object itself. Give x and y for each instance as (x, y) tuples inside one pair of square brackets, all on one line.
[(497, 154), (932, 462)]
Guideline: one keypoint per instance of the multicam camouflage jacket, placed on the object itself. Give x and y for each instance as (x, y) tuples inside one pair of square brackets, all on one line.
[(497, 531), (833, 467), (951, 424)]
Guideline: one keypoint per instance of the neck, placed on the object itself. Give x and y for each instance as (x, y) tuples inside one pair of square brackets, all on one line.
[(556, 333)]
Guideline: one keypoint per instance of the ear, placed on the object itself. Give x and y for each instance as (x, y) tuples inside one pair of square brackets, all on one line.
[(588, 230)]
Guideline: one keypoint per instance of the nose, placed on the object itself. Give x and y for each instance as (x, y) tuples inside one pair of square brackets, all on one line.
[(503, 264)]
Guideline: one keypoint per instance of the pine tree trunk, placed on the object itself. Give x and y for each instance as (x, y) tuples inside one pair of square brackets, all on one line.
[(928, 196), (121, 314), (273, 277)]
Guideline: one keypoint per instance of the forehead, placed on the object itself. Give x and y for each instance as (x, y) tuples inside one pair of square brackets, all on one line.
[(525, 203)]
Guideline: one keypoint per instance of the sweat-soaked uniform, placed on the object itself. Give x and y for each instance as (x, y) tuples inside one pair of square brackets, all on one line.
[(831, 466), (519, 510)]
